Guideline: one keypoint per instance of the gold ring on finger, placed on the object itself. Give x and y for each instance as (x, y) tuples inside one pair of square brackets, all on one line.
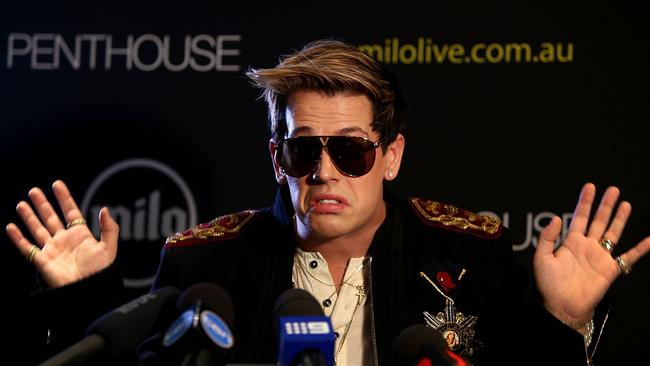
[(625, 268), (607, 244), (32, 253), (75, 223)]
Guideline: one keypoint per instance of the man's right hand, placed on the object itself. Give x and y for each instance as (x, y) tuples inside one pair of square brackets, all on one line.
[(63, 255)]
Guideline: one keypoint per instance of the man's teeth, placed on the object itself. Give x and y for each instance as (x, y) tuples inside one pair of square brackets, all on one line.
[(328, 201)]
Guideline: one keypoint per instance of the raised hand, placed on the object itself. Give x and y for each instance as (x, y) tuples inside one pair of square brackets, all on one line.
[(574, 278), (63, 253)]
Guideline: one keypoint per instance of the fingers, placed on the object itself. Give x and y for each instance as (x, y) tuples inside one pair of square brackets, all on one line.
[(109, 228), (22, 244), (45, 211), (604, 212), (548, 236), (618, 224), (17, 237), (600, 227), (34, 225), (633, 255), (581, 213), (47, 223), (68, 206)]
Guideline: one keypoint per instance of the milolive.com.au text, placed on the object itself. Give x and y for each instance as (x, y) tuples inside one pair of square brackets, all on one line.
[(425, 51)]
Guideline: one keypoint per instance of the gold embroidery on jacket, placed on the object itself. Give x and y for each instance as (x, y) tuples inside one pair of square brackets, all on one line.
[(227, 225), (452, 216)]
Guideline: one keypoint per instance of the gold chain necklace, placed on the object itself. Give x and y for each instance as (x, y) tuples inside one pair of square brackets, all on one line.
[(361, 293), (337, 286)]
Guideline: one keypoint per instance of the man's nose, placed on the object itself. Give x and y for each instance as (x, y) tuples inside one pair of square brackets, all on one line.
[(325, 170)]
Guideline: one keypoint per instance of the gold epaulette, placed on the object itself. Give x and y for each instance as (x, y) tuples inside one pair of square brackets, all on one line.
[(222, 228), (454, 218)]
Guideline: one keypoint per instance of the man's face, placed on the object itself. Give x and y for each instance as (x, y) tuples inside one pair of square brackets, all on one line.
[(329, 204)]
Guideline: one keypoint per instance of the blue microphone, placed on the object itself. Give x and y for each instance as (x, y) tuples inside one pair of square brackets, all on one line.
[(306, 334), (202, 334)]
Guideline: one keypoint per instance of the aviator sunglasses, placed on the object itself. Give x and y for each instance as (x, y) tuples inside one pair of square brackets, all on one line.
[(352, 156)]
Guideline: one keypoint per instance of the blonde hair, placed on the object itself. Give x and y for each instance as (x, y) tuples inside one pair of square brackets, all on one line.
[(331, 67)]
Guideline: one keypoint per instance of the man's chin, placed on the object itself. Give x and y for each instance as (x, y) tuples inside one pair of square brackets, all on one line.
[(328, 226)]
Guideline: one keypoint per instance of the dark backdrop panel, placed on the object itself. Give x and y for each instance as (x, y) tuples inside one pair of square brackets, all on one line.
[(490, 129)]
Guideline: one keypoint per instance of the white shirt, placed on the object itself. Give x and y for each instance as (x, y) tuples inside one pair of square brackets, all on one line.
[(311, 273)]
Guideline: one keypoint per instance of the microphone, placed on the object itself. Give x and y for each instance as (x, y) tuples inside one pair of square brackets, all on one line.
[(119, 330), (306, 335), (421, 345), (200, 336)]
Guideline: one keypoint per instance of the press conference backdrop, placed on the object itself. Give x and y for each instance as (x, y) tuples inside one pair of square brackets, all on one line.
[(145, 108)]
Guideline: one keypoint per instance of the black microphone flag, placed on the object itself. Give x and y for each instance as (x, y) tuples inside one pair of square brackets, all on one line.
[(119, 330)]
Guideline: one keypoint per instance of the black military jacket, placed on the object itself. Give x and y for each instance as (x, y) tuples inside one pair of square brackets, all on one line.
[(467, 257)]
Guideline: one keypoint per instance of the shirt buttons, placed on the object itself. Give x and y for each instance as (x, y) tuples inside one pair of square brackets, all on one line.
[(327, 303), (313, 264)]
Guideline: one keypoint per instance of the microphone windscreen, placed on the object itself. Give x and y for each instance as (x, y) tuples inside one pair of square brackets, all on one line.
[(126, 326), (408, 345), (295, 302), (304, 333), (212, 296)]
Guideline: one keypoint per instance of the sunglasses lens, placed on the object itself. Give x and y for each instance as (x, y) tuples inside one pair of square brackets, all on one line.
[(299, 156), (353, 156)]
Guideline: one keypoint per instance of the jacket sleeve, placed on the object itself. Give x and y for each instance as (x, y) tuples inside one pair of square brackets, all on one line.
[(537, 337), (58, 318)]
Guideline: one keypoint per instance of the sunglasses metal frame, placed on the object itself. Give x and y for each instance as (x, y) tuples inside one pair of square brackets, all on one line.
[(324, 144)]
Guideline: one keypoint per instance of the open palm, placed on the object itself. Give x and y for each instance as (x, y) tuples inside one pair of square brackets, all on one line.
[(575, 277), (67, 254)]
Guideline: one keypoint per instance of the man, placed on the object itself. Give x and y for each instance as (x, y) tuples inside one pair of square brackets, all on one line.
[(376, 262)]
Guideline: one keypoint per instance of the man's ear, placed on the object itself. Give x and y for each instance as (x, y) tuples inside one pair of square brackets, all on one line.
[(280, 176), (393, 157)]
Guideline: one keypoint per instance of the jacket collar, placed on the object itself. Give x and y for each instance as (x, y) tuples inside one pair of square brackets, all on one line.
[(282, 208)]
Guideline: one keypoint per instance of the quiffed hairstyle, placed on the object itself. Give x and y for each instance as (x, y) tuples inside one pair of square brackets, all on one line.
[(331, 67)]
